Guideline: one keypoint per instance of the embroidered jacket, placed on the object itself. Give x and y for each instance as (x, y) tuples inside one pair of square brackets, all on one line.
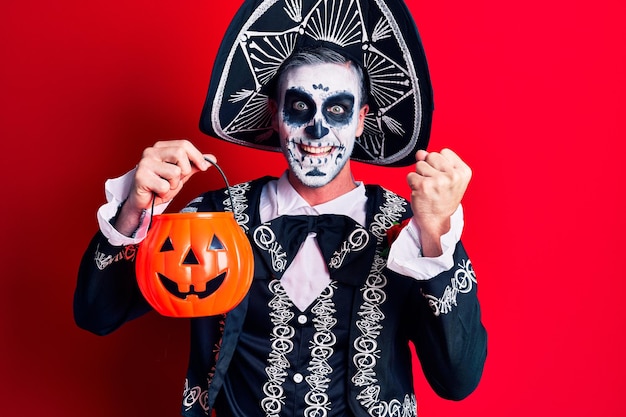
[(440, 317)]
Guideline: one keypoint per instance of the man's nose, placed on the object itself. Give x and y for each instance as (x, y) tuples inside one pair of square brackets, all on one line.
[(316, 130)]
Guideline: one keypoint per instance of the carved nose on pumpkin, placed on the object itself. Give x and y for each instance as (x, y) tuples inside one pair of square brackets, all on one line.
[(191, 259)]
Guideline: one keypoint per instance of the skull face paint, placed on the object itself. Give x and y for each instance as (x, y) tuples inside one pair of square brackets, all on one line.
[(318, 120)]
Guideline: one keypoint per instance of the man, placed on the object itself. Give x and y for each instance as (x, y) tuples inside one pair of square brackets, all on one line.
[(319, 335)]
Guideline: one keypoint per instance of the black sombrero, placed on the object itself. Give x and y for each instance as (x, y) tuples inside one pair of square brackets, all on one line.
[(380, 35)]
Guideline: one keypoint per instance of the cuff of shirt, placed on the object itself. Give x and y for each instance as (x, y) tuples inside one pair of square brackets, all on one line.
[(116, 191), (405, 254)]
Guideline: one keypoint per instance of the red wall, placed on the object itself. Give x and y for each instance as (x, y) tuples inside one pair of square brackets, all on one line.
[(530, 93)]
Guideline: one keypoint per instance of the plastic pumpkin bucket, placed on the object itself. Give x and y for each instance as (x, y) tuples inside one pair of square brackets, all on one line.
[(194, 264)]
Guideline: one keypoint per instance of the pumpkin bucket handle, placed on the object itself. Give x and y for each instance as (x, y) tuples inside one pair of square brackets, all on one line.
[(230, 197)]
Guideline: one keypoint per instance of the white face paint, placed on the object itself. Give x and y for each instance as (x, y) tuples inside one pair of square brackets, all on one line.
[(318, 120)]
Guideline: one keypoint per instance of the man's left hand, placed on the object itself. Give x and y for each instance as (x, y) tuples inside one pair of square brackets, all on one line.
[(437, 187)]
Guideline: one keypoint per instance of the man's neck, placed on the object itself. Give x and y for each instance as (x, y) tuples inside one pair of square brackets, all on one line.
[(341, 184)]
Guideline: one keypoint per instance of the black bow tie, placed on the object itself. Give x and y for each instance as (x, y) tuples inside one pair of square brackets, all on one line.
[(341, 240)]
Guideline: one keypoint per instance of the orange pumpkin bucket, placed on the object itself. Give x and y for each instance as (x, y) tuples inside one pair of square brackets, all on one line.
[(195, 264)]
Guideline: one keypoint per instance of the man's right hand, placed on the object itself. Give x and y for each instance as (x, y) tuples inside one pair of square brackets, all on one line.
[(162, 171)]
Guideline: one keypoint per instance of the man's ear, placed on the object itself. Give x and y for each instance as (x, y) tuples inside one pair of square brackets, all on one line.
[(361, 122), (273, 108)]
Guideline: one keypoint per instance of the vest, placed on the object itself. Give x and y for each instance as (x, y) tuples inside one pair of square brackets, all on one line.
[(379, 375)]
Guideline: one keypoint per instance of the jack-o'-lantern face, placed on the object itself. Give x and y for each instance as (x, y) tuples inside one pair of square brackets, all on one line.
[(194, 264)]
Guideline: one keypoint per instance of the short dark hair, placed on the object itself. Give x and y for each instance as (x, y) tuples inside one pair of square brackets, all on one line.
[(316, 56)]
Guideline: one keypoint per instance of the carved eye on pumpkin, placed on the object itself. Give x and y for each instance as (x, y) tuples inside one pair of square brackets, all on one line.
[(194, 264)]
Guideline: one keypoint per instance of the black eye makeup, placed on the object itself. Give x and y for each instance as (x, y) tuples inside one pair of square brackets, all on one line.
[(299, 107), (339, 108)]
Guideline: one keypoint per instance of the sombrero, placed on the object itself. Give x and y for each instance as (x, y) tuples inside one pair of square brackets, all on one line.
[(380, 36)]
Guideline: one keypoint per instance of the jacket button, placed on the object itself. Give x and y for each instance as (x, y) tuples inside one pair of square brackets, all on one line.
[(297, 378), (302, 319)]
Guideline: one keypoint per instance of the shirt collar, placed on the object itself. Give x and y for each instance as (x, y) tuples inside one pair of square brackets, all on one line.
[(289, 202)]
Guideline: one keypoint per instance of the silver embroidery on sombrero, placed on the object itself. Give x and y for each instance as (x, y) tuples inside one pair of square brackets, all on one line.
[(371, 319), (322, 348), (282, 345), (340, 22)]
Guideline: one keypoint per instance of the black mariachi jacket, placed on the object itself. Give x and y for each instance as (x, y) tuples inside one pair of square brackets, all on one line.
[(441, 316)]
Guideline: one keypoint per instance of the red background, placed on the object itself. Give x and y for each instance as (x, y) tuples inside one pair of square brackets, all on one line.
[(530, 93)]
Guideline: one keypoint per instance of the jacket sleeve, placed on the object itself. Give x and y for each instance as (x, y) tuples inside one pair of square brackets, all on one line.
[(450, 339), (106, 294)]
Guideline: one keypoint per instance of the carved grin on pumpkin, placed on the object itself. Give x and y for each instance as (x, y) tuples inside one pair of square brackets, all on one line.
[(211, 286)]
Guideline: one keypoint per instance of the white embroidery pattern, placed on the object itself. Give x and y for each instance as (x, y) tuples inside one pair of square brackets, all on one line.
[(265, 239), (389, 214), (282, 344), (371, 317), (240, 200), (462, 282), (393, 408), (102, 261), (217, 347), (193, 395), (339, 22), (192, 206), (357, 240), (322, 348), (293, 8)]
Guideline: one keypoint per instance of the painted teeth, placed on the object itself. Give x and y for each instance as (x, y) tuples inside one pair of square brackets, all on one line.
[(316, 149)]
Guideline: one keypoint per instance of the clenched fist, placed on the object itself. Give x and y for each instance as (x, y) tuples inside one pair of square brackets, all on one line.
[(437, 187)]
